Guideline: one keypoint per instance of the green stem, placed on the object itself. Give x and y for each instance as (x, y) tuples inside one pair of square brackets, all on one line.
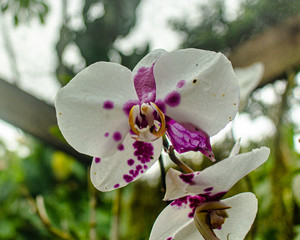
[(116, 211), (39, 207), (280, 170), (179, 163), (163, 174), (92, 205)]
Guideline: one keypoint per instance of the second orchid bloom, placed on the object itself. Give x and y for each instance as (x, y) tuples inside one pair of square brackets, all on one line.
[(197, 211)]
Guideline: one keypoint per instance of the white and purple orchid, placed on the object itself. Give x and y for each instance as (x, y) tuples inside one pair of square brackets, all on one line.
[(118, 116), (197, 211)]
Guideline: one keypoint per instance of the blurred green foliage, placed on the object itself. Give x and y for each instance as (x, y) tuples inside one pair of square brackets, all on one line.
[(218, 32), (64, 183), (25, 10), (96, 40)]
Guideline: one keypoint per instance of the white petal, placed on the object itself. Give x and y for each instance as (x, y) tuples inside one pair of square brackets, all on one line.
[(128, 164), (90, 108), (149, 59), (249, 78), (170, 221), (198, 87), (218, 178), (189, 232), (241, 216)]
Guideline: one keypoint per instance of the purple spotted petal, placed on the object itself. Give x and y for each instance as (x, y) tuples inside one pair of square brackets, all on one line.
[(129, 163), (216, 179), (144, 84), (188, 138), (90, 108)]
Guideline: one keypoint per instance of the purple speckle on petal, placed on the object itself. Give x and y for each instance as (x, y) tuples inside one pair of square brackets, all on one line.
[(117, 136), (117, 185), (143, 152), (169, 238), (106, 134), (180, 201), (108, 105), (144, 83), (120, 147), (127, 178), (192, 201), (208, 189), (97, 159), (161, 105), (128, 105), (180, 84), (173, 99), (130, 162), (187, 178)]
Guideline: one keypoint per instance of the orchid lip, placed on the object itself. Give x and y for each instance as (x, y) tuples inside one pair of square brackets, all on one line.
[(154, 128), (209, 216)]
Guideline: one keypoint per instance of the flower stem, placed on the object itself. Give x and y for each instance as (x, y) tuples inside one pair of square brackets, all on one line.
[(92, 206), (38, 206), (116, 212), (41, 210), (170, 151), (179, 163), (163, 174)]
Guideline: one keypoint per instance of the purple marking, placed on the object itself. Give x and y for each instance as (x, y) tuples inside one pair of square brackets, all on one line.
[(127, 178), (209, 189), (161, 105), (214, 197), (97, 159), (108, 105), (120, 147), (117, 185), (143, 151), (194, 201), (144, 154), (173, 99), (130, 162), (106, 134), (117, 136), (144, 83), (178, 202), (135, 172), (184, 139), (128, 105), (169, 238), (187, 178), (180, 84)]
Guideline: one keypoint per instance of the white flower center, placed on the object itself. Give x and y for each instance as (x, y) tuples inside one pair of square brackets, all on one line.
[(147, 122)]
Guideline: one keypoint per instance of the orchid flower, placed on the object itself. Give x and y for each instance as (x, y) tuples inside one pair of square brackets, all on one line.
[(118, 116), (197, 211)]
